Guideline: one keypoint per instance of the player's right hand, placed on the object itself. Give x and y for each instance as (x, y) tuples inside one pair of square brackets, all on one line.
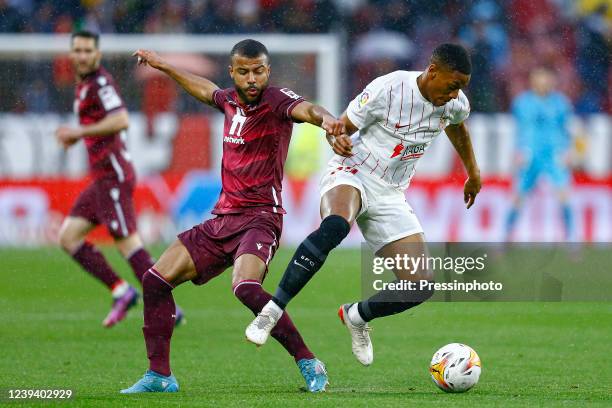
[(471, 189), (335, 133), (341, 145), (67, 136), (146, 57)]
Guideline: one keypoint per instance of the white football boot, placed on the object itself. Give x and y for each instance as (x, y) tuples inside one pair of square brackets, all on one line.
[(259, 330), (360, 337)]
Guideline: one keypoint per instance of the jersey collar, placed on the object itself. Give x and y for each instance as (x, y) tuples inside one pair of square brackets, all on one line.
[(418, 90), (233, 100), (92, 74)]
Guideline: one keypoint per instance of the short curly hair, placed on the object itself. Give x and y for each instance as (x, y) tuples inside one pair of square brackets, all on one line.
[(249, 48), (453, 56)]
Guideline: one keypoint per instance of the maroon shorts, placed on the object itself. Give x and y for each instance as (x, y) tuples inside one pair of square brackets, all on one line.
[(108, 202), (215, 244)]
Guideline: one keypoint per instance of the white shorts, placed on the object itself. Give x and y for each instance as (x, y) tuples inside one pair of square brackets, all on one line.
[(385, 216)]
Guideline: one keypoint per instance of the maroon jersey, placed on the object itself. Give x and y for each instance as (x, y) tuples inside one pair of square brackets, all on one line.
[(255, 144), (96, 96)]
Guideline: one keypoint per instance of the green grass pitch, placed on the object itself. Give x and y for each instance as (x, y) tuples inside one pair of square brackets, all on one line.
[(533, 354)]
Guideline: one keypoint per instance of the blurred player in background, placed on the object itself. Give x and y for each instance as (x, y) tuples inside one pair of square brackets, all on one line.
[(394, 120), (103, 120), (543, 144), (248, 218)]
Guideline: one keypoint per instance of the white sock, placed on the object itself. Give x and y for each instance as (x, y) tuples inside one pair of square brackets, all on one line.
[(120, 289), (354, 316), (273, 307)]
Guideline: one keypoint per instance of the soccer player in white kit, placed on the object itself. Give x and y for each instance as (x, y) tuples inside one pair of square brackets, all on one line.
[(392, 123)]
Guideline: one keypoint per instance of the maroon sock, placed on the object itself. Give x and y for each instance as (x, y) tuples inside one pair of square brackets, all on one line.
[(93, 262), (140, 261), (252, 295), (159, 312)]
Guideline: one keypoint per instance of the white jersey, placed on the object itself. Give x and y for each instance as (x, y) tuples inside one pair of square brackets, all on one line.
[(396, 126)]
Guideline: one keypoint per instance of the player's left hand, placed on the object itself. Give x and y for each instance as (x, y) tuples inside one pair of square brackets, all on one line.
[(470, 190), (67, 136)]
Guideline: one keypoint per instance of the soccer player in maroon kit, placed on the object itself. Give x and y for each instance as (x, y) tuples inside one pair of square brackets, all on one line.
[(103, 120), (248, 215)]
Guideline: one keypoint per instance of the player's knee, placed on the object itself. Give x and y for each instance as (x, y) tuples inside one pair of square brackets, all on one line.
[(175, 265), (330, 234), (129, 244), (248, 267), (68, 240)]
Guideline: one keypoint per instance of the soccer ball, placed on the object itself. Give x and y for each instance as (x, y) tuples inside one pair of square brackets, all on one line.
[(455, 368)]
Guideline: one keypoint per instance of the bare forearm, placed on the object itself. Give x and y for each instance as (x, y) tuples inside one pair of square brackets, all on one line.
[(316, 114), (460, 138), (197, 86), (110, 125)]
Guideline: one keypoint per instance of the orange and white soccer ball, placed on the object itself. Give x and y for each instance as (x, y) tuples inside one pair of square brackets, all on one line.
[(455, 368)]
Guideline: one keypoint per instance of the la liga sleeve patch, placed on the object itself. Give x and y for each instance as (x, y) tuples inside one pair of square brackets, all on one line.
[(109, 98), (363, 98)]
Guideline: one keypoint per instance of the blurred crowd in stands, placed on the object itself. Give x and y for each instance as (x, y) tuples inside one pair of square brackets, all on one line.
[(507, 38)]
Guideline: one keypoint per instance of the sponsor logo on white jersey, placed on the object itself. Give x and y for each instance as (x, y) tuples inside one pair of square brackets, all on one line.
[(408, 152), (413, 151)]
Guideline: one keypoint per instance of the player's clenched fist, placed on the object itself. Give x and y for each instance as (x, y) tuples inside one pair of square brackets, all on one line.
[(333, 126), (341, 145), (67, 136), (336, 136), (151, 58), (471, 189)]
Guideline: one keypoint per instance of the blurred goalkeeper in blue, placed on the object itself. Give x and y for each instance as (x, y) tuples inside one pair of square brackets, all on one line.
[(543, 144)]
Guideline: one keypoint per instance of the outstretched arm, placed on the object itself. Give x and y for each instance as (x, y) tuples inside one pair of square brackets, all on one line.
[(460, 138), (319, 116), (197, 86), (111, 124)]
